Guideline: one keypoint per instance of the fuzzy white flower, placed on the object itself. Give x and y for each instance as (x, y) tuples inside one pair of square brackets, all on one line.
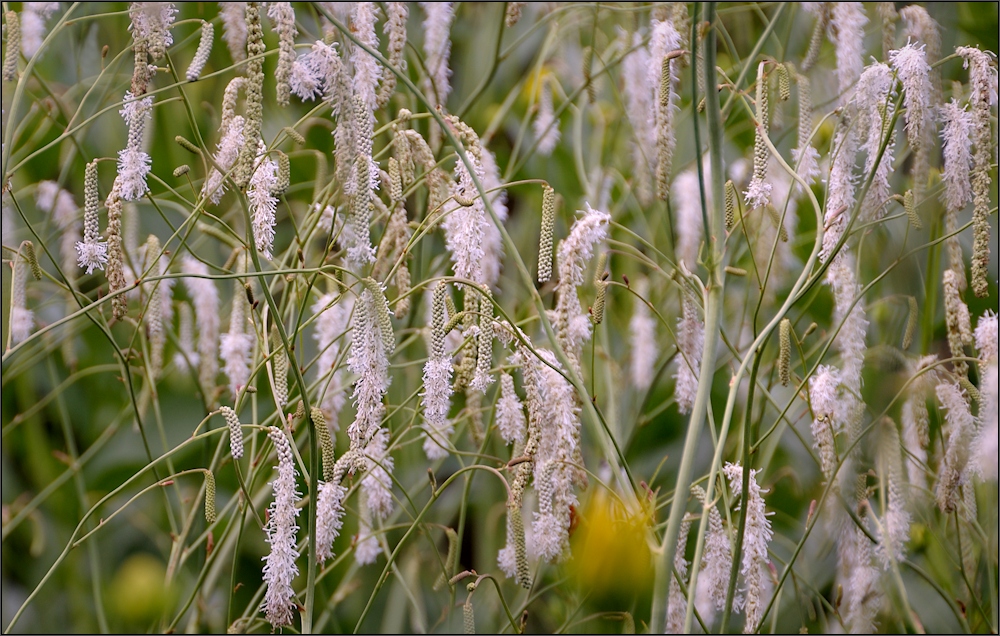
[(985, 455), (850, 341), (686, 194), (847, 31), (956, 137), (436, 395), (332, 336), (806, 157), (875, 101), (690, 341), (824, 393), (228, 150), (910, 63), (664, 38), (152, 21), (986, 337), (639, 99), (133, 162), (717, 564), (642, 339), (367, 71), (236, 345), (510, 412), (755, 544), (33, 17), (366, 547), (858, 577), (369, 361), (329, 518), (465, 226), (376, 487), (677, 601), (961, 430), (234, 28), (205, 299), (546, 126), (437, 49), (50, 198), (840, 189), (262, 203), (894, 529), (22, 319), (493, 251), (280, 568)]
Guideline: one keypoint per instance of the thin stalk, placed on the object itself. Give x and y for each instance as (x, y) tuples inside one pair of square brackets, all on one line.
[(713, 319)]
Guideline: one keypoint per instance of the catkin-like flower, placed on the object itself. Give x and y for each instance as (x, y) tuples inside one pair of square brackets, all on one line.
[(235, 346), (33, 17), (283, 21), (755, 544), (512, 14), (152, 21), (874, 98), (984, 459), (235, 431), (228, 151), (546, 125), (686, 194), (913, 71), (571, 323), (677, 603), (921, 27), (822, 12), (510, 412), (369, 361), (116, 263), (254, 97), (717, 562), (986, 337), (234, 28), (204, 50), (364, 182), (806, 157), (395, 29), (92, 251), (824, 388), (642, 340), (849, 312), (662, 78), (638, 106), (847, 30), (894, 529), (437, 382), (983, 96), (21, 318), (437, 50), (154, 310), (332, 334), (205, 299), (263, 203), (279, 567), (858, 577), (367, 70), (545, 236), (956, 318), (758, 193), (484, 340), (51, 199), (133, 162), (961, 430), (841, 187), (956, 138), (690, 340)]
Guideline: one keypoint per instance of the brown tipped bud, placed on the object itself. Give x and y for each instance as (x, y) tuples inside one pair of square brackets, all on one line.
[(181, 170)]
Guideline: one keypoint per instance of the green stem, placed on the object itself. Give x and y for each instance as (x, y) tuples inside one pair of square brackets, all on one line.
[(713, 317)]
